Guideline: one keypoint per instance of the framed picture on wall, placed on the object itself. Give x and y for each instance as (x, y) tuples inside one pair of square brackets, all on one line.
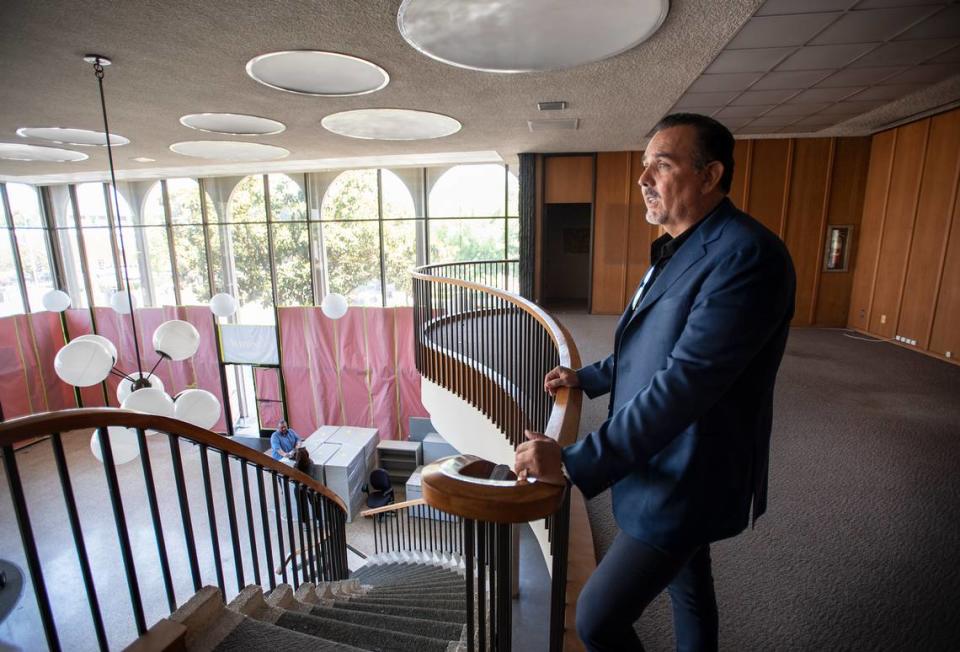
[(837, 254)]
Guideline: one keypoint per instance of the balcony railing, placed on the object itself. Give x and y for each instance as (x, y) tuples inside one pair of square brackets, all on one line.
[(493, 348), (273, 512)]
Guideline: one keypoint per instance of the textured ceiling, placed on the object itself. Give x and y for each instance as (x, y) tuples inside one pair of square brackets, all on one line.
[(188, 56)]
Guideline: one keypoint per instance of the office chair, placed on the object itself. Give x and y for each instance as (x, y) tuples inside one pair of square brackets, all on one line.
[(379, 489)]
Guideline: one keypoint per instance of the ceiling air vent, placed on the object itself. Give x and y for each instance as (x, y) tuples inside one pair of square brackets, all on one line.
[(569, 124), (559, 105)]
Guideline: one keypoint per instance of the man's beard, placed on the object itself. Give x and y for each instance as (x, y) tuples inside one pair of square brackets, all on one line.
[(657, 218)]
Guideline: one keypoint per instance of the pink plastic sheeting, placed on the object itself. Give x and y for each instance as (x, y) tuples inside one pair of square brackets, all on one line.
[(28, 383), (356, 371), (269, 402)]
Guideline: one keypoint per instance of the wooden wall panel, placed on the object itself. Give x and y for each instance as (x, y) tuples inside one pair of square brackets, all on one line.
[(850, 164), (871, 227), (769, 176), (937, 195), (898, 226), (742, 154), (805, 219), (945, 335), (568, 179), (610, 232)]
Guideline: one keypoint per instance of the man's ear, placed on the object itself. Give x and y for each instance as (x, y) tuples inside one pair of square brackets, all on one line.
[(711, 176)]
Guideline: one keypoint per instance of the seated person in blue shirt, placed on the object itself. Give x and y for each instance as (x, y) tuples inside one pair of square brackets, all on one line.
[(284, 443)]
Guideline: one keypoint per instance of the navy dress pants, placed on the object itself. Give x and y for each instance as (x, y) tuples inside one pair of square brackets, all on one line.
[(629, 577)]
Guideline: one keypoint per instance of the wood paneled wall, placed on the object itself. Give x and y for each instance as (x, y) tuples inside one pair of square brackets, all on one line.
[(907, 281), (796, 187)]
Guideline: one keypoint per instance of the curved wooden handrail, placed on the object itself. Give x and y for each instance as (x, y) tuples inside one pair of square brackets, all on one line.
[(45, 423), (466, 263), (454, 485), (566, 349), (393, 507)]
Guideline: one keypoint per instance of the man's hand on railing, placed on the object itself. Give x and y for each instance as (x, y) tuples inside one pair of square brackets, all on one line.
[(539, 459), (560, 377)]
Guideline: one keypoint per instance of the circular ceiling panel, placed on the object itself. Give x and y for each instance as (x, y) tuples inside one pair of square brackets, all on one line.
[(233, 124), (21, 152), (528, 36), (390, 124), (66, 136), (313, 72), (229, 150)]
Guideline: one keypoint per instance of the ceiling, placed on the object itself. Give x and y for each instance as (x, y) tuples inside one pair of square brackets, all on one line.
[(783, 67)]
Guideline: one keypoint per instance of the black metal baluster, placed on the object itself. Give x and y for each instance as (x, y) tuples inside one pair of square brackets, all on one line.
[(481, 583), (504, 568), (232, 519), (265, 523), (79, 543), (251, 533), (468, 532), (293, 541), (306, 518), (30, 548), (559, 548), (282, 558), (185, 519), (376, 535), (120, 519), (212, 519), (155, 515), (319, 538)]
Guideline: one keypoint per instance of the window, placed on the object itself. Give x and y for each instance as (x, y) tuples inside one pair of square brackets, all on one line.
[(97, 240), (246, 252), (11, 303), (291, 244), (188, 241), (32, 243)]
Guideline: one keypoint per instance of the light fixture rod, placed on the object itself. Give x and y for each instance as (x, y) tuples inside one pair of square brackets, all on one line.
[(99, 62)]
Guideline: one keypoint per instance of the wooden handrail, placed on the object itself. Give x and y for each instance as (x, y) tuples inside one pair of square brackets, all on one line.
[(454, 485), (567, 351), (63, 421), (393, 507)]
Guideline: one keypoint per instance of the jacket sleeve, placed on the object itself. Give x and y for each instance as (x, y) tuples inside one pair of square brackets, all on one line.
[(596, 379), (740, 306)]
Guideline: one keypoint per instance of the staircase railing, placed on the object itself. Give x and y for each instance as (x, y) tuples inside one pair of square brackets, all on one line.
[(282, 512), (415, 526), (493, 348)]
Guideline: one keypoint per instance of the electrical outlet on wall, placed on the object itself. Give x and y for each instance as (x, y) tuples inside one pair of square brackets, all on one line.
[(883, 319)]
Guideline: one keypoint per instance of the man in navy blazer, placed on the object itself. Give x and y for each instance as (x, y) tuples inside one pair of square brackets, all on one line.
[(685, 444)]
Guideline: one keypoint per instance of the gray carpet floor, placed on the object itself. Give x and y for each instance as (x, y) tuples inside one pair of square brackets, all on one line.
[(860, 547)]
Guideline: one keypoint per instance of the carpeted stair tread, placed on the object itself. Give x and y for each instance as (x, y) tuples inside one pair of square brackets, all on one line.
[(426, 601), (411, 594), (410, 575), (366, 636), (253, 636), (445, 615), (388, 578), (424, 627)]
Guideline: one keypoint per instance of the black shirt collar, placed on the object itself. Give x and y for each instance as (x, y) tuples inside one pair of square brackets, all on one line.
[(665, 246)]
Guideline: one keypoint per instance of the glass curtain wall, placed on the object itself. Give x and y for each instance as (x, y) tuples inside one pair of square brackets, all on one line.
[(269, 240)]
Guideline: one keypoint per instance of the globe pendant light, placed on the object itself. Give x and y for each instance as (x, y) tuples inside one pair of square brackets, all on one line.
[(56, 300), (334, 305)]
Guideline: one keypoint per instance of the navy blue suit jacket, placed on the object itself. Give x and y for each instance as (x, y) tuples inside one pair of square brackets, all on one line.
[(686, 442)]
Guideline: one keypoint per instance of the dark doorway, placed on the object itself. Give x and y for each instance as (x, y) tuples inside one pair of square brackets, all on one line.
[(565, 282)]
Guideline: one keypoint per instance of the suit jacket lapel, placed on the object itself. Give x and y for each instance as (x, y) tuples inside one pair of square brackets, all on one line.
[(690, 252)]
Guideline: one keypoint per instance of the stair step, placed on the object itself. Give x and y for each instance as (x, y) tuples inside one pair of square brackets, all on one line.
[(424, 601), (254, 636), (369, 636), (445, 615), (424, 627), (409, 594)]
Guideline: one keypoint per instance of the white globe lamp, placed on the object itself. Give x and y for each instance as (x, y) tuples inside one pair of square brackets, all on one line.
[(102, 341), (135, 381), (150, 400), (334, 305), (121, 303), (223, 305), (83, 363), (56, 300), (197, 406), (123, 444), (176, 339)]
